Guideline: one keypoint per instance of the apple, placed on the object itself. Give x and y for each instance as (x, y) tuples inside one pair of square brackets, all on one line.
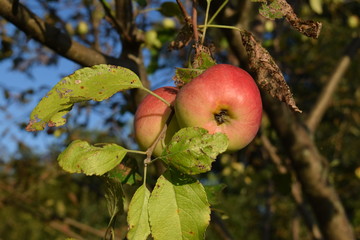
[(223, 99), (150, 118)]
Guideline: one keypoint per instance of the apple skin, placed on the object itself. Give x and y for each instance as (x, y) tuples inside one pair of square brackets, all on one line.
[(223, 99), (150, 118)]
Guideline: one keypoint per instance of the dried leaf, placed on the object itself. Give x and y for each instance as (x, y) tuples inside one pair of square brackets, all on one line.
[(307, 27), (183, 38), (273, 9), (269, 76)]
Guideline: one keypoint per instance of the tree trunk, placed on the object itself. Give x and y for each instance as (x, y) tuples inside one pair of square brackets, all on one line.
[(311, 169)]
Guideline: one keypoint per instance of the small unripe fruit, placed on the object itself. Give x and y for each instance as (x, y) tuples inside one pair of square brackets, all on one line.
[(353, 21), (82, 28), (151, 39), (168, 23), (150, 118), (269, 25)]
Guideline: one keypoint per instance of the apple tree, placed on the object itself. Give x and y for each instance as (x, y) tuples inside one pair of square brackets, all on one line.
[(208, 119)]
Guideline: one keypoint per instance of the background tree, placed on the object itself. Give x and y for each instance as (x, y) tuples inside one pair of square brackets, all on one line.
[(300, 165)]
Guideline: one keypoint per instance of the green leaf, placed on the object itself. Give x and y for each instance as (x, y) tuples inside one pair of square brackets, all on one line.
[(125, 172), (213, 193), (178, 208), (80, 156), (138, 217), (142, 3), (192, 150), (96, 83), (271, 11), (114, 200), (203, 59), (185, 75), (169, 9)]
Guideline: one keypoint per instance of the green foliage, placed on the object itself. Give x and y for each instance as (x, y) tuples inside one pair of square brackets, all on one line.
[(126, 172), (169, 9), (178, 207), (213, 193), (271, 11), (185, 75), (202, 61), (97, 83), (114, 199), (81, 157), (138, 216), (192, 150)]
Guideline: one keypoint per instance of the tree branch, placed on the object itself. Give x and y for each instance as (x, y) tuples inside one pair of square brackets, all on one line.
[(311, 170), (54, 38), (324, 99), (295, 189)]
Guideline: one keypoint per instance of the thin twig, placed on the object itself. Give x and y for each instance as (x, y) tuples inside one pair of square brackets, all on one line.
[(273, 155), (161, 135), (298, 197), (295, 187), (327, 93), (220, 227), (114, 21), (183, 10), (194, 22)]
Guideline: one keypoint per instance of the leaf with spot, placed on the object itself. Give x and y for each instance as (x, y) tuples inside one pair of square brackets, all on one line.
[(185, 75), (268, 74), (271, 11), (138, 217), (81, 157), (202, 60), (192, 150), (97, 83), (178, 208)]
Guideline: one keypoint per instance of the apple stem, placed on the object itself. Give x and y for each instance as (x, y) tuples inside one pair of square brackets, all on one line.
[(145, 172), (157, 96), (194, 21), (136, 151)]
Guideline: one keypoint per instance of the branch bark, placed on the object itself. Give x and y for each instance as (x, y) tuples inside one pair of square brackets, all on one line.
[(34, 27), (311, 170), (54, 38)]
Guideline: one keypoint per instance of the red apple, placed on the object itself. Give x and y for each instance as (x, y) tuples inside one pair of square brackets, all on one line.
[(223, 99), (150, 118)]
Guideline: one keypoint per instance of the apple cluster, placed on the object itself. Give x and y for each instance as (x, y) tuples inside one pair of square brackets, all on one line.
[(224, 98)]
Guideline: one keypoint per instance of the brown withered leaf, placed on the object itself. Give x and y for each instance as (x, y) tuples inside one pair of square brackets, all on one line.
[(307, 27), (269, 76), (183, 38)]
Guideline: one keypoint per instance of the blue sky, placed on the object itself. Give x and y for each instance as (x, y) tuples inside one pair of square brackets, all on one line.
[(44, 78)]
